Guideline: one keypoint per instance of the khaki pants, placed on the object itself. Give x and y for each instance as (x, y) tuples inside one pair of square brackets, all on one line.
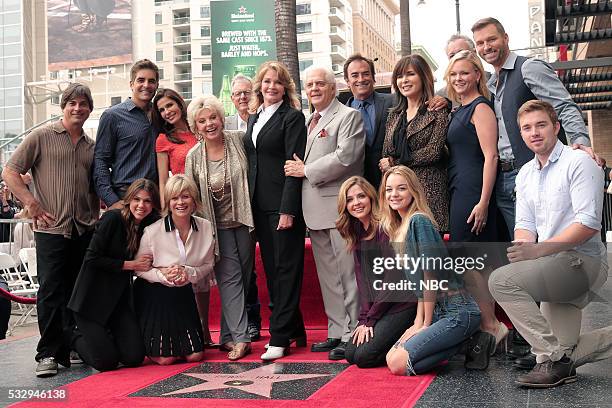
[(563, 283)]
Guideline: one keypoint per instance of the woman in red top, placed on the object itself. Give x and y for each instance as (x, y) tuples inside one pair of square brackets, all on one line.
[(173, 143), (175, 139)]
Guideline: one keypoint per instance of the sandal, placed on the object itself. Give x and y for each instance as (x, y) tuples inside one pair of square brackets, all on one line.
[(229, 346), (239, 351)]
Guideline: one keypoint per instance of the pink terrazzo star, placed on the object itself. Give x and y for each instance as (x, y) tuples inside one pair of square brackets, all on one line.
[(256, 381)]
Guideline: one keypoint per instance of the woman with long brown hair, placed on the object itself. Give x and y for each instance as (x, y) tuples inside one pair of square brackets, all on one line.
[(382, 318), (107, 331), (275, 134), (415, 136), (171, 147)]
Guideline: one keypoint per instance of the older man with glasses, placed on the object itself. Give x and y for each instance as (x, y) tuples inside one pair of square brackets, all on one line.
[(242, 87)]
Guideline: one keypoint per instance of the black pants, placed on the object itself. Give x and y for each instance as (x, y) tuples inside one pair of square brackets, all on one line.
[(59, 260), (104, 347), (5, 312), (282, 254), (387, 331)]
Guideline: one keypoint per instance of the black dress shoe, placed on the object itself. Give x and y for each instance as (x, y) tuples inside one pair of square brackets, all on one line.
[(327, 345), (526, 362), (338, 352), (519, 346), (549, 374)]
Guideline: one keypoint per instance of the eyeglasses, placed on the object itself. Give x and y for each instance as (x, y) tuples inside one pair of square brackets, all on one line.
[(237, 94), (318, 84)]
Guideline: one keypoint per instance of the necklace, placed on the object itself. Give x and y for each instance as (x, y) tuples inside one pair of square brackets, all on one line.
[(216, 191)]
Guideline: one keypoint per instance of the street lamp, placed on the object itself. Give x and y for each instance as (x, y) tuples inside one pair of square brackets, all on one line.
[(422, 3)]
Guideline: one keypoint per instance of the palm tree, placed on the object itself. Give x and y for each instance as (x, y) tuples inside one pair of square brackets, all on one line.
[(286, 38), (406, 45)]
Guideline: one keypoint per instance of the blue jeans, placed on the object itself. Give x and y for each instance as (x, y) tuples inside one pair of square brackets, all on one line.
[(455, 319), (505, 197)]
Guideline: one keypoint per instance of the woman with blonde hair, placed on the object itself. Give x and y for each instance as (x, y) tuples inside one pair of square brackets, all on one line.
[(275, 134), (444, 318), (472, 143), (182, 249), (219, 166), (382, 318)]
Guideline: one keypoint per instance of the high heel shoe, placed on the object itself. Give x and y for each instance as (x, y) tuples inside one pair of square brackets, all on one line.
[(501, 334), (299, 342)]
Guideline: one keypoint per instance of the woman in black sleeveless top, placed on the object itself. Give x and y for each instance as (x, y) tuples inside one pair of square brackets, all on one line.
[(472, 144)]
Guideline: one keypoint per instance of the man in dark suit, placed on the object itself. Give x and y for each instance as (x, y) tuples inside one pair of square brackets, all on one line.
[(359, 74)]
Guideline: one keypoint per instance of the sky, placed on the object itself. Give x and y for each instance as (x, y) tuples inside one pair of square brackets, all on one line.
[(434, 22)]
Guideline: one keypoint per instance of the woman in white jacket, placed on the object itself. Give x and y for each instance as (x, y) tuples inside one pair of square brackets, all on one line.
[(182, 247)]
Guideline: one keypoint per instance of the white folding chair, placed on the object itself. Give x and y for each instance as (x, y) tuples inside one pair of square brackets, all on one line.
[(19, 286), (28, 260)]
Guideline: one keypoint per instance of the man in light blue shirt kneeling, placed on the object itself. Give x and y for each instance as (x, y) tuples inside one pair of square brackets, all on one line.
[(557, 257)]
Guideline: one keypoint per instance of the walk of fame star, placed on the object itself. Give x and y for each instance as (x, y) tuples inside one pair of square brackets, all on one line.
[(255, 381)]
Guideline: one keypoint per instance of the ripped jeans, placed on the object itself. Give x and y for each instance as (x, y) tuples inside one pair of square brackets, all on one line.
[(455, 319)]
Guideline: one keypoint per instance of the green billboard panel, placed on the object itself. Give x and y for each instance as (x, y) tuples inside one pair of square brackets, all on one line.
[(243, 37)]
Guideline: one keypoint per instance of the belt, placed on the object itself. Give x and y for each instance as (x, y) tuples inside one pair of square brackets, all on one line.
[(508, 165)]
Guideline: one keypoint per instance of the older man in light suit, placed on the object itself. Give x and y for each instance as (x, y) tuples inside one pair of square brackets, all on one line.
[(334, 152), (242, 88)]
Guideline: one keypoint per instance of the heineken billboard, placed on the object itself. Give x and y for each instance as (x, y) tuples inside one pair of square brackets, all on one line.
[(242, 34)]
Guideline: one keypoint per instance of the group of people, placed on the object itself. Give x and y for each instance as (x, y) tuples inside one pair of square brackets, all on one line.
[(380, 176)]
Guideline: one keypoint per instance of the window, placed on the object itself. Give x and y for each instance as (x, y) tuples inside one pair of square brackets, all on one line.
[(159, 55), (55, 100), (206, 67), (115, 100), (159, 37), (205, 49), (305, 64), (205, 31), (302, 9), (161, 73), (304, 46), (302, 28), (158, 18), (207, 88), (205, 12)]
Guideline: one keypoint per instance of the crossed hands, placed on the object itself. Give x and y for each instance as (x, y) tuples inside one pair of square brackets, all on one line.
[(175, 274)]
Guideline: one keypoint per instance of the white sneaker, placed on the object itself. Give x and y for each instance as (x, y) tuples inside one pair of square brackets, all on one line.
[(274, 352)]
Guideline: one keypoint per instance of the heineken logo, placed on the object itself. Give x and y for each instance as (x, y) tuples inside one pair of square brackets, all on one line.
[(242, 15)]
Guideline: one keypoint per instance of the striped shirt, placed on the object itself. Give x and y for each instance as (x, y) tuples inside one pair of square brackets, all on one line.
[(61, 173), (125, 150)]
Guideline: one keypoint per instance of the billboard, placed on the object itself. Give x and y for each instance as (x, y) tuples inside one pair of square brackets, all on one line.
[(242, 34), (89, 33)]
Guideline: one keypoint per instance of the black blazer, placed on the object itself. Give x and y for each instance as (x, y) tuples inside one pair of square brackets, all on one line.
[(102, 282), (382, 103), (283, 135)]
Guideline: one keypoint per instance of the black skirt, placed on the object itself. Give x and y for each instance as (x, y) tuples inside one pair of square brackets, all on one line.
[(168, 318)]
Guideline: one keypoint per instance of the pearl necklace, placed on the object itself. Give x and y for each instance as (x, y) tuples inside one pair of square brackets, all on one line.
[(215, 191)]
